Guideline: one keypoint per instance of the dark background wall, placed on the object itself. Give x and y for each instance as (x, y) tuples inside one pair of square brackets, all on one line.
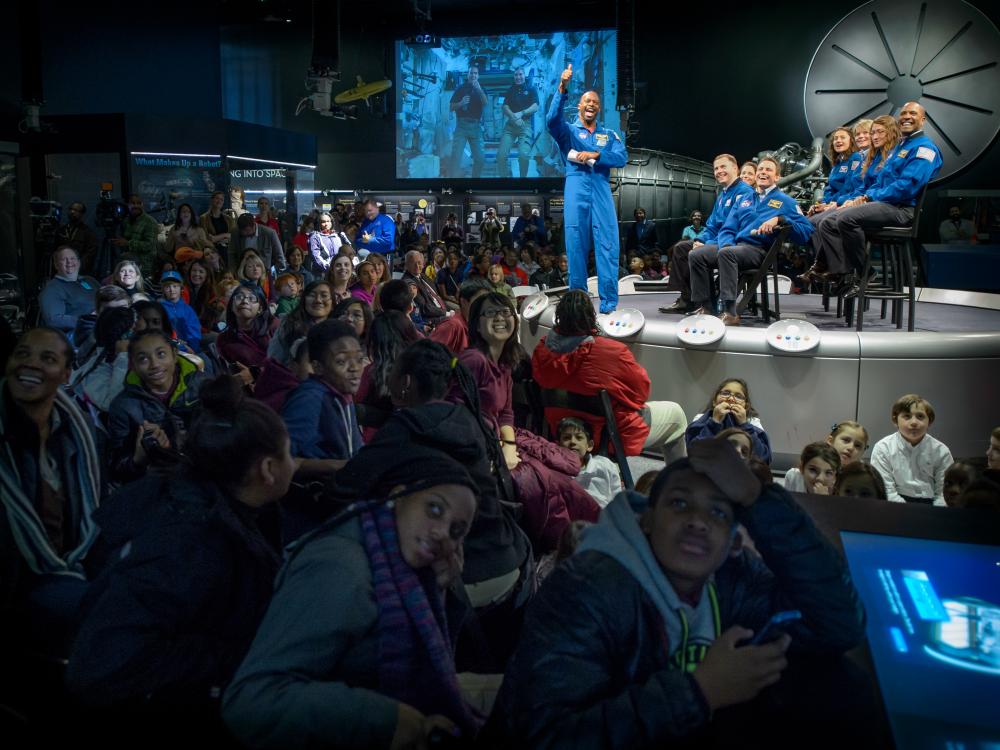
[(721, 77)]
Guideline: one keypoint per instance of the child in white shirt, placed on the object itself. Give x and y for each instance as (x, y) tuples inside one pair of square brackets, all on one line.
[(599, 475), (911, 462)]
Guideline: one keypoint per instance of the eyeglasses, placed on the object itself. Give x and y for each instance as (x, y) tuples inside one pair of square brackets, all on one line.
[(245, 298), (501, 312), (319, 297), (730, 394)]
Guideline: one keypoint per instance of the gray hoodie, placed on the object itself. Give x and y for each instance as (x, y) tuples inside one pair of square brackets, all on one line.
[(619, 536)]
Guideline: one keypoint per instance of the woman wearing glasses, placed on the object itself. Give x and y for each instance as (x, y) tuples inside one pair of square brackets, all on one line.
[(542, 472), (249, 328), (730, 406)]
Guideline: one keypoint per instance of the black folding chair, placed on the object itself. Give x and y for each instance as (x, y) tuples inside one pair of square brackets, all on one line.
[(750, 280), (597, 411)]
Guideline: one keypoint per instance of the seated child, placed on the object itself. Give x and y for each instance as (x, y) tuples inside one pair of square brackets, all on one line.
[(730, 406), (182, 316), (740, 441), (849, 439), (819, 465), (289, 289), (636, 265), (498, 280), (599, 474), (957, 479), (860, 479), (912, 463)]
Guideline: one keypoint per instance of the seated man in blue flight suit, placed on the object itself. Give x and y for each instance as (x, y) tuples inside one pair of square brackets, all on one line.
[(891, 200), (590, 219), (743, 241), (734, 190)]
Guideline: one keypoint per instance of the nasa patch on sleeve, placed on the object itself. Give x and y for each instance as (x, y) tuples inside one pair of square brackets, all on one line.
[(926, 153)]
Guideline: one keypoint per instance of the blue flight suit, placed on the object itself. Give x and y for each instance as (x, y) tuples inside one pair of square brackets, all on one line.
[(840, 185), (738, 249), (589, 217), (892, 196), (383, 231)]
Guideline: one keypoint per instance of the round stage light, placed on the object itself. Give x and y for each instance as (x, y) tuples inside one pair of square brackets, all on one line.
[(793, 335), (622, 323), (699, 330)]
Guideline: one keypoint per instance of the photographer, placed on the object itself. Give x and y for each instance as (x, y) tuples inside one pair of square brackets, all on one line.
[(490, 231), (452, 233), (148, 420)]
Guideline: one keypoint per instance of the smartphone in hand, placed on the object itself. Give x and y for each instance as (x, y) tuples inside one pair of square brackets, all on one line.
[(776, 627)]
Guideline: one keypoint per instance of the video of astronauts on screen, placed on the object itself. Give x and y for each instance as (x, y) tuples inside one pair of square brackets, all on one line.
[(934, 629), (475, 107)]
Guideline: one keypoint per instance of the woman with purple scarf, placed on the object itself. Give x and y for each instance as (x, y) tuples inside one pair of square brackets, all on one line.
[(357, 647)]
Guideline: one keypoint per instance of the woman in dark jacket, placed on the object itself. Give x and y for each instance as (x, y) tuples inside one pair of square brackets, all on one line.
[(157, 404), (249, 328), (193, 564)]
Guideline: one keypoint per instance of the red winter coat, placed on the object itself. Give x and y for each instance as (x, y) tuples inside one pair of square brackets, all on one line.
[(548, 493), (593, 364)]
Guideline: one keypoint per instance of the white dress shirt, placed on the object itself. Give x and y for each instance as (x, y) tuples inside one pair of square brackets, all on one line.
[(912, 470), (600, 478)]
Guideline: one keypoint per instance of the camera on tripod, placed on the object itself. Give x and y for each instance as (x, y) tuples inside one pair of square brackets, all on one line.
[(110, 212)]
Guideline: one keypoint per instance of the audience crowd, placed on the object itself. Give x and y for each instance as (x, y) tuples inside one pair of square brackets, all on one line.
[(276, 495)]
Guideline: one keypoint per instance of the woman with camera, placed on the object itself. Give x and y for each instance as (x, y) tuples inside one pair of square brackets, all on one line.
[(148, 420)]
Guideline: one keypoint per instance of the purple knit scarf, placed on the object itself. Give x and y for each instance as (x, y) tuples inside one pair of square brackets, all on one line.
[(416, 665)]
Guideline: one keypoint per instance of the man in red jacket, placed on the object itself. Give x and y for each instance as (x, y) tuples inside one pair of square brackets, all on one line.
[(575, 358)]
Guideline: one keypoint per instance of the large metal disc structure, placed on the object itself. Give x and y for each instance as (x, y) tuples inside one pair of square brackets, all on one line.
[(944, 54)]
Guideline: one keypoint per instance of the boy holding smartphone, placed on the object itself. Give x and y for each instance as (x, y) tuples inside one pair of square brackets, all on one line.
[(640, 636)]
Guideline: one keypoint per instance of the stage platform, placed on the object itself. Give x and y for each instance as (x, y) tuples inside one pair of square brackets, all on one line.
[(952, 359)]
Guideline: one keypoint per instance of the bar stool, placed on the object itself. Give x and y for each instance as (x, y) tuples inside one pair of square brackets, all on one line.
[(897, 244)]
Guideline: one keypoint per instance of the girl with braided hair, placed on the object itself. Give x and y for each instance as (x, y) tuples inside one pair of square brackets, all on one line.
[(575, 357)]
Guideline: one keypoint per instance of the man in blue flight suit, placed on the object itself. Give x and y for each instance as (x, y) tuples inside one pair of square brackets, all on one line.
[(734, 190), (377, 233), (590, 220), (890, 201), (743, 241)]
